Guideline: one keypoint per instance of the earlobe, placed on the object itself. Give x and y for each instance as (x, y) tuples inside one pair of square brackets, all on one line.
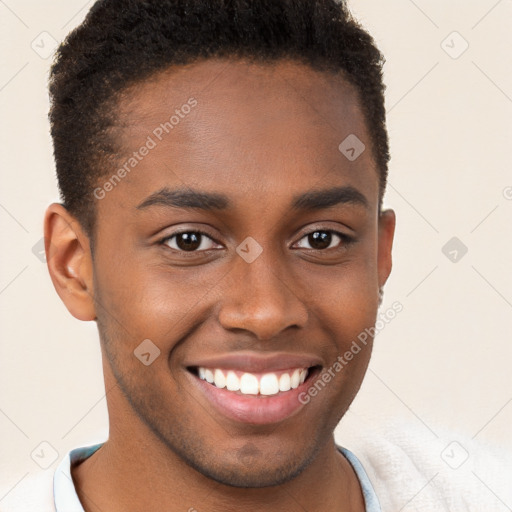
[(387, 222), (69, 261)]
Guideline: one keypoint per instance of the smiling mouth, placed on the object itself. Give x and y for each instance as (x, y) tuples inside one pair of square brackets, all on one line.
[(255, 384)]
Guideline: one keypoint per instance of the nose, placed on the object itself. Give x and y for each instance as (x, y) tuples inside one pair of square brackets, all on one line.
[(262, 298)]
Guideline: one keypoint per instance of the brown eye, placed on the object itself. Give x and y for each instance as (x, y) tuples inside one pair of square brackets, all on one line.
[(322, 239), (188, 241)]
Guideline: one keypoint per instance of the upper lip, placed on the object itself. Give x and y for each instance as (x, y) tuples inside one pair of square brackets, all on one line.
[(257, 362)]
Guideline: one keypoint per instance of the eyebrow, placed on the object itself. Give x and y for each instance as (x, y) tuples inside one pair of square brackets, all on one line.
[(208, 201)]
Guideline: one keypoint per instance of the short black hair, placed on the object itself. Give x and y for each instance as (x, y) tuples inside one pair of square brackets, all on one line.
[(122, 42)]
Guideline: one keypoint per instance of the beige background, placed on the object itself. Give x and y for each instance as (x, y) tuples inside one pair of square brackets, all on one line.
[(442, 365)]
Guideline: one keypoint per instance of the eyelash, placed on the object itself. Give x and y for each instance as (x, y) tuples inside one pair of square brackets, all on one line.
[(346, 239)]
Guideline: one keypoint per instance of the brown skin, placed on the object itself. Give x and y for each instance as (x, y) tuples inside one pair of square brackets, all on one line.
[(260, 134)]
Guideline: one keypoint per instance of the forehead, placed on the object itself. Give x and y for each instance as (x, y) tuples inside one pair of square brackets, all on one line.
[(253, 128)]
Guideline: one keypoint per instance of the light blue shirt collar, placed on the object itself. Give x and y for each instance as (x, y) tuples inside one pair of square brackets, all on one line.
[(370, 498), (66, 499), (64, 492)]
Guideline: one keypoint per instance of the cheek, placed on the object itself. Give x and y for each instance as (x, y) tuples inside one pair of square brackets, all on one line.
[(145, 297), (347, 298)]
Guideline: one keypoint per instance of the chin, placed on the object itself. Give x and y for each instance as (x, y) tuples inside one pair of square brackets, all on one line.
[(248, 474)]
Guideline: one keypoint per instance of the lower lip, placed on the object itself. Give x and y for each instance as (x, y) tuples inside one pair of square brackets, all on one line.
[(254, 409)]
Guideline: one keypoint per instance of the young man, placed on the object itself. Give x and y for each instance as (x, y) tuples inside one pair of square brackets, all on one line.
[(222, 167)]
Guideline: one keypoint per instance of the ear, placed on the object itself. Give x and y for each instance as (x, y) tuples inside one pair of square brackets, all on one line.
[(387, 221), (69, 261)]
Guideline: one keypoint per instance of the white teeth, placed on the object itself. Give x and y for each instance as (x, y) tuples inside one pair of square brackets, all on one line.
[(295, 379), (249, 384), (284, 382), (208, 375), (232, 381), (269, 384), (219, 379)]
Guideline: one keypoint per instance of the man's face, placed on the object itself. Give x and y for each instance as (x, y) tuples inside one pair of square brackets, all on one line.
[(293, 295)]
